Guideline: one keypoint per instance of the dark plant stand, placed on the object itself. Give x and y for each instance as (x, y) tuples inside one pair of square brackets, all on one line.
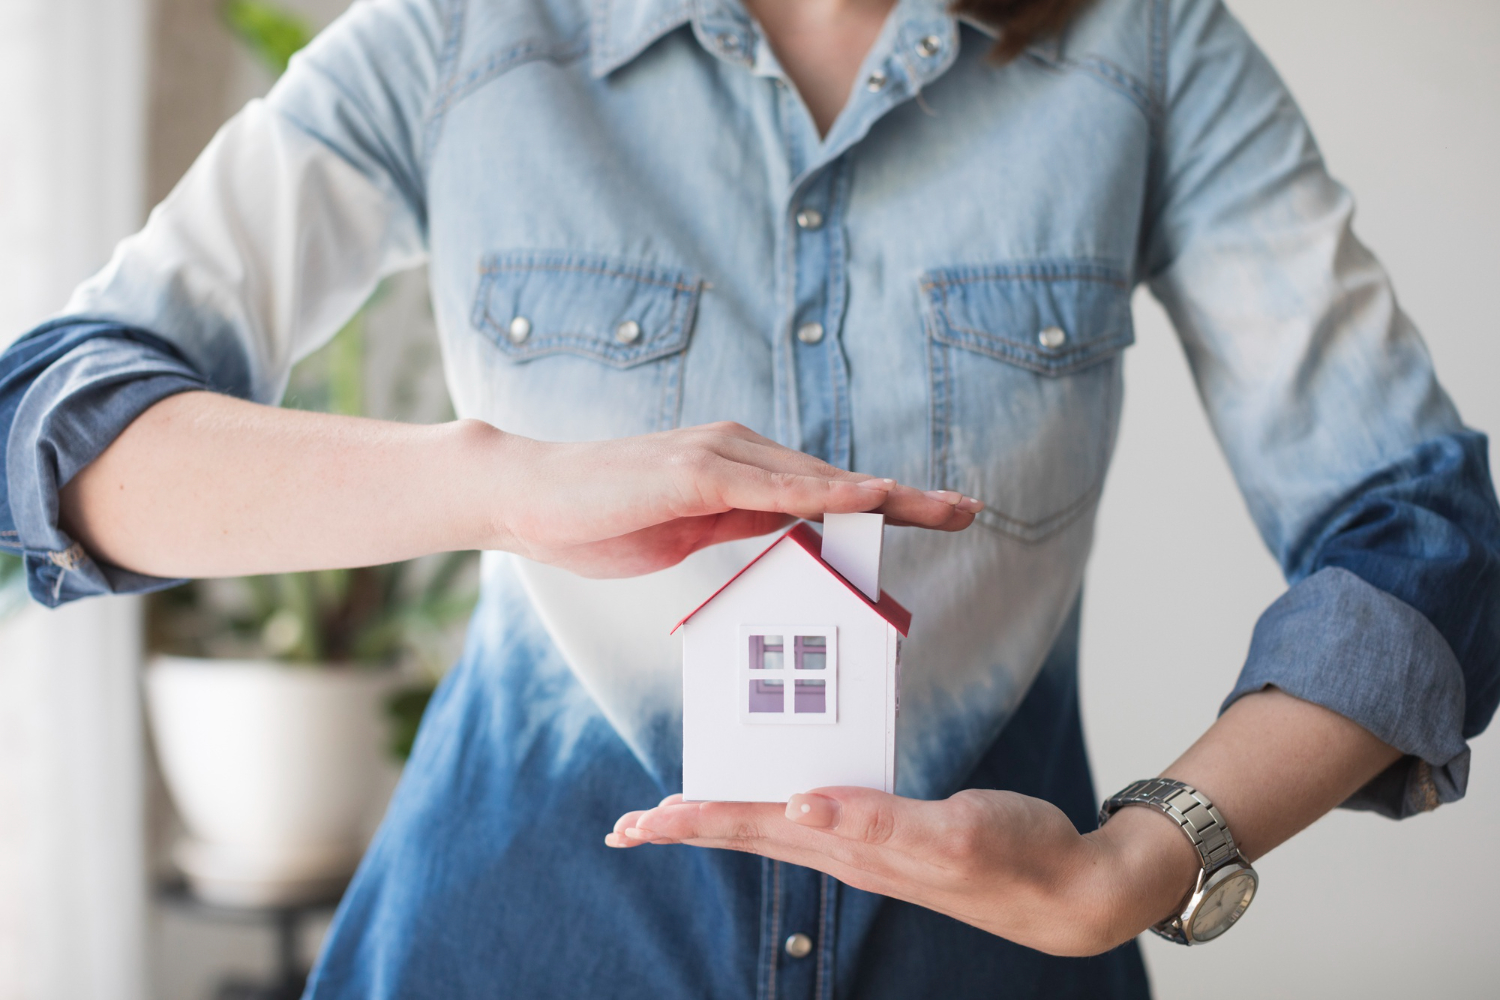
[(290, 977)]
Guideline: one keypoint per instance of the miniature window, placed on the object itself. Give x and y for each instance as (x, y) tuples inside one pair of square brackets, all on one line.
[(810, 696), (767, 694), (788, 674)]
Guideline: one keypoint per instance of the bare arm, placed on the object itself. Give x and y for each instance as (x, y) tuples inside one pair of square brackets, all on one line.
[(1015, 866), (208, 485), (1273, 764)]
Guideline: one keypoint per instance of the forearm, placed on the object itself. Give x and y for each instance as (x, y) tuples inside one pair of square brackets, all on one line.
[(207, 485), (1272, 764)]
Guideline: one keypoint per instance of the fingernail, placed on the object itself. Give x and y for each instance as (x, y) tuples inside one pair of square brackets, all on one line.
[(945, 496), (813, 810), (971, 505), (636, 833), (884, 485), (642, 826)]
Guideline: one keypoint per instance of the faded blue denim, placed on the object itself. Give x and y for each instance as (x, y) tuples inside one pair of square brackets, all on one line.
[(982, 231)]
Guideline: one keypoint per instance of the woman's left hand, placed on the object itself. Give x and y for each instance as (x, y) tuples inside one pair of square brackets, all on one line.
[(1006, 863)]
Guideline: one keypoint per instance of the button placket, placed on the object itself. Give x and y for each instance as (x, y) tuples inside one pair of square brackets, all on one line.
[(815, 239), (801, 932)]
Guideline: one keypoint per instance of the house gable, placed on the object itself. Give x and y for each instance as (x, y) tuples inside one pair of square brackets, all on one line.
[(810, 542)]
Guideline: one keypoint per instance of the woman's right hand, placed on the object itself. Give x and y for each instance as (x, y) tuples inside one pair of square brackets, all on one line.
[(203, 485), (636, 505)]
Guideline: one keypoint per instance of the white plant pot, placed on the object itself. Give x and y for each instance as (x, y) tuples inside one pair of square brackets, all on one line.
[(279, 772)]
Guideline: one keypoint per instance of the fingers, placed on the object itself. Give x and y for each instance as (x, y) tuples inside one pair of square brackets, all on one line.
[(903, 505), (865, 816), (865, 838), (625, 832), (727, 484), (861, 815), (940, 510)]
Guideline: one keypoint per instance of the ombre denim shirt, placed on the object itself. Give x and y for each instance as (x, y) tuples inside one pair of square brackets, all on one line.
[(631, 224)]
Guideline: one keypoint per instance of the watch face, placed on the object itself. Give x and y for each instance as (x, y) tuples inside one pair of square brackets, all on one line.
[(1223, 905)]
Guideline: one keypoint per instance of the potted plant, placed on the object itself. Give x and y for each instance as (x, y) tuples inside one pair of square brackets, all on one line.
[(275, 736), (277, 702)]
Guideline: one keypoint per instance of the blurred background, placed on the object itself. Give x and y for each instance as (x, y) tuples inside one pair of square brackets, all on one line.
[(103, 105)]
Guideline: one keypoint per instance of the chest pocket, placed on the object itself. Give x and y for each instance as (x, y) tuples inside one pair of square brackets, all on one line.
[(587, 347), (1026, 386)]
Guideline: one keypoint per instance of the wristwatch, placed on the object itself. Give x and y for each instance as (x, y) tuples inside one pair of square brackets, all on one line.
[(1226, 882)]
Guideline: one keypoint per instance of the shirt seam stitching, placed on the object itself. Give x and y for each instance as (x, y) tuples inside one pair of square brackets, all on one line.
[(679, 286), (447, 70)]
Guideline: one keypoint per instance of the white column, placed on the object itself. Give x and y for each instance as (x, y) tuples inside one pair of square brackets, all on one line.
[(72, 844), (72, 856)]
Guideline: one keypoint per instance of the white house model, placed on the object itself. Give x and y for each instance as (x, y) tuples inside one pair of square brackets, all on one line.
[(791, 670)]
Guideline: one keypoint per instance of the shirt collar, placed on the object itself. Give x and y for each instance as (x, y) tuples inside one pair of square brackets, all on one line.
[(623, 29), (620, 30)]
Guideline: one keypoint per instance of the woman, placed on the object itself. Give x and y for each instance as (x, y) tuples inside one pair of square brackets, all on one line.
[(849, 225)]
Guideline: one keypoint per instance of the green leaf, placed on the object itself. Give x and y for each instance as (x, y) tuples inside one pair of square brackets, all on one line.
[(12, 583), (346, 368), (273, 33), (404, 708)]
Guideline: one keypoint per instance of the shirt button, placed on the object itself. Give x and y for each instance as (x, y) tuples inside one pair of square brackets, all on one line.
[(519, 329), (1052, 338), (628, 332), (929, 46), (799, 946), (875, 82), (810, 218), (810, 333)]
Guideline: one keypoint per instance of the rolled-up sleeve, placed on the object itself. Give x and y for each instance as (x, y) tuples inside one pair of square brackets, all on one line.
[(273, 239), (1362, 479), (66, 391)]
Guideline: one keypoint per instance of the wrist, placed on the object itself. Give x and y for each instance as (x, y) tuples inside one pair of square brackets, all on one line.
[(489, 462), (1148, 869)]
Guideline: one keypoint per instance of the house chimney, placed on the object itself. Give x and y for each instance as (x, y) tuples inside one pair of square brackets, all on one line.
[(851, 545)]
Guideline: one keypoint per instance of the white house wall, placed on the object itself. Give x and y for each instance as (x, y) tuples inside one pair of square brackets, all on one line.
[(727, 760)]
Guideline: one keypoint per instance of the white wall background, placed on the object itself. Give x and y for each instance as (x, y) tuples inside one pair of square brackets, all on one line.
[(1405, 100), (72, 874)]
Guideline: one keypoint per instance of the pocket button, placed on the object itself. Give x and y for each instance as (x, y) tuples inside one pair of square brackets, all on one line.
[(1052, 338), (628, 332), (810, 333), (519, 330)]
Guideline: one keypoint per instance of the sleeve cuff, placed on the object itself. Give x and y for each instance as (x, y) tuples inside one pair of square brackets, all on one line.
[(1337, 641), (67, 417)]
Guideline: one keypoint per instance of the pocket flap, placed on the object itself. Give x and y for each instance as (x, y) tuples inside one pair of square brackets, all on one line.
[(1051, 317), (535, 303)]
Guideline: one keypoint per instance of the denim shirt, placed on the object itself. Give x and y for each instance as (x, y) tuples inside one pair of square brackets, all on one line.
[(631, 224)]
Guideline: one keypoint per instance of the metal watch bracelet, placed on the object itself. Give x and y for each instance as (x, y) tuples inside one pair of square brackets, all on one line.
[(1208, 833), (1192, 811)]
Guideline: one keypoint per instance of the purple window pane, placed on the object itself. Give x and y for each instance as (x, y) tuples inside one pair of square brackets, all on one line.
[(767, 696), (765, 652), (811, 697), (811, 652)]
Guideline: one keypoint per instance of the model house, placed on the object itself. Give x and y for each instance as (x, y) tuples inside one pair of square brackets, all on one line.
[(791, 670)]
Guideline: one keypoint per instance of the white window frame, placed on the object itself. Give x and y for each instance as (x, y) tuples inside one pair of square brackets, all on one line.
[(788, 675)]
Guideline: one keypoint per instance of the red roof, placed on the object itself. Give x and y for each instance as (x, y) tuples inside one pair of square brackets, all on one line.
[(812, 543)]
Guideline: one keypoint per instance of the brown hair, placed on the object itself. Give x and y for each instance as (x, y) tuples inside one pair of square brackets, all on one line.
[(1020, 22)]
